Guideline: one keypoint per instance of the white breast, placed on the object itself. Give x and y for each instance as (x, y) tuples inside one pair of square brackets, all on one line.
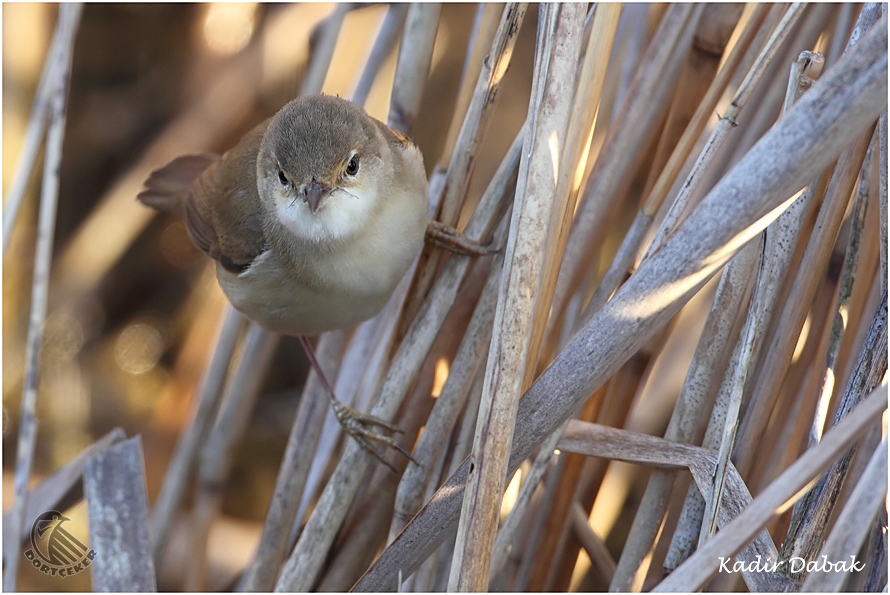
[(336, 287)]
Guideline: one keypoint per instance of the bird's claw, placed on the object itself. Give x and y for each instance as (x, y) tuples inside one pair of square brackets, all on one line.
[(452, 240), (362, 429)]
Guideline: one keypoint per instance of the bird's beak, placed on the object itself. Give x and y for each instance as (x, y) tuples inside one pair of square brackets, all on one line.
[(314, 194)]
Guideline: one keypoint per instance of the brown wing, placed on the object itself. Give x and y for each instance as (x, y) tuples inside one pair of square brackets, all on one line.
[(222, 210)]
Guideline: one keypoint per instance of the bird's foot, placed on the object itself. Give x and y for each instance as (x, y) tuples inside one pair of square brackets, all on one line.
[(370, 432), (452, 240)]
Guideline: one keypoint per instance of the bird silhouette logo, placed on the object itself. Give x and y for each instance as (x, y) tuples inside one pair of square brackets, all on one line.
[(53, 544)]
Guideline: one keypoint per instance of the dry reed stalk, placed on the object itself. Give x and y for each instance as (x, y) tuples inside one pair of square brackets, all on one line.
[(848, 98), (769, 274), (384, 42), (617, 402), (34, 134), (217, 452), (627, 136), (780, 493), (532, 538), (622, 399), (555, 513), (882, 135), (361, 370), (433, 574), (804, 535), (591, 76), (69, 19), (517, 515), (571, 167), (323, 52), (446, 202), (261, 572), (778, 356), (541, 202), (703, 374), (702, 66), (866, 290), (415, 57), (60, 490), (364, 532), (602, 441), (430, 450), (633, 30), (486, 26), (842, 309), (179, 470), (596, 550), (841, 32), (114, 488), (727, 122)]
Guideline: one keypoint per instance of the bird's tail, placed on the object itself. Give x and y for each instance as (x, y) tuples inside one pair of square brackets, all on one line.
[(166, 187)]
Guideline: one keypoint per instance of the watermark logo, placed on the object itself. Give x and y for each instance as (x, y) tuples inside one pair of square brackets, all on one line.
[(54, 551), (795, 565)]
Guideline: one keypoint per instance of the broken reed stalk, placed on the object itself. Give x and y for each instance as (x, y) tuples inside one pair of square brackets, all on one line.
[(824, 121), (115, 492), (69, 19), (537, 210)]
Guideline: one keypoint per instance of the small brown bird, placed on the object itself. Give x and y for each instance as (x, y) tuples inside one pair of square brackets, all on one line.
[(313, 218)]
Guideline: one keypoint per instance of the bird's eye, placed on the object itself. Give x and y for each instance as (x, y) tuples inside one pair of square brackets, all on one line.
[(283, 178), (352, 166)]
